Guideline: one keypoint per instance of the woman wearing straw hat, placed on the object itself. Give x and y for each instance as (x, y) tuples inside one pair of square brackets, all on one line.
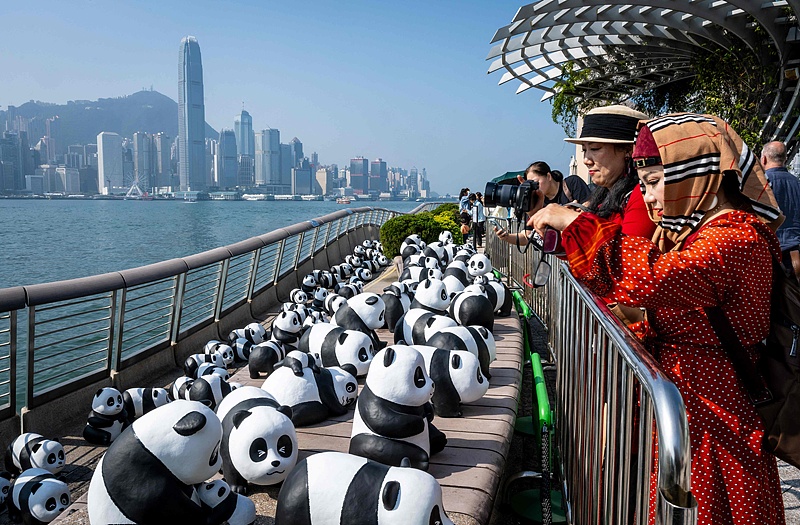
[(712, 254), (607, 139)]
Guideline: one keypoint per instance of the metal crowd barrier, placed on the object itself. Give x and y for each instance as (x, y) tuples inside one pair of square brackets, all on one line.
[(70, 334), (610, 397)]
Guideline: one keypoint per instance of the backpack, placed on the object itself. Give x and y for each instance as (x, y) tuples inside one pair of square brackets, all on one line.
[(774, 385)]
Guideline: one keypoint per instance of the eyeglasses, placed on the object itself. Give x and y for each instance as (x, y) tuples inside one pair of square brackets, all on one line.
[(649, 161)]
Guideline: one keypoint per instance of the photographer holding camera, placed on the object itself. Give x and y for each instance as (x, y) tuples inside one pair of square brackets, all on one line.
[(526, 199)]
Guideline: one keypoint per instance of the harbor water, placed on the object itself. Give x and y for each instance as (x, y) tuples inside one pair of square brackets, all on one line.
[(51, 240)]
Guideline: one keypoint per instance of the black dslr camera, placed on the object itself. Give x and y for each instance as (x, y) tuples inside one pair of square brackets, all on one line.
[(522, 198)]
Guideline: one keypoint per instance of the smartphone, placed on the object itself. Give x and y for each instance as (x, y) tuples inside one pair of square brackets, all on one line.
[(494, 222)]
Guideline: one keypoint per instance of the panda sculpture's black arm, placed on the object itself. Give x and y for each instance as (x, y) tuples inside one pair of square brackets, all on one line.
[(390, 419), (388, 451)]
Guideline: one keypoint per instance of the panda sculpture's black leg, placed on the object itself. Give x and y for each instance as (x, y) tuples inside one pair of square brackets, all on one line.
[(437, 438), (388, 451), (505, 310), (96, 436)]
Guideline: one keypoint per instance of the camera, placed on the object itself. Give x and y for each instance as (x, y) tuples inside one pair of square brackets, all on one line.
[(522, 198)]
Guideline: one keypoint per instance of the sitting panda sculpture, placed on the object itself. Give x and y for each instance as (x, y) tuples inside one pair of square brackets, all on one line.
[(264, 357), (457, 376), (470, 308), (475, 339), (219, 502), (140, 401), (37, 497), (332, 345), (253, 332), (31, 450), (365, 313), (364, 492), (107, 419), (393, 416), (259, 441), (312, 392), (149, 473)]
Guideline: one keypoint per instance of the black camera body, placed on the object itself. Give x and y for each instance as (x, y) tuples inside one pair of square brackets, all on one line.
[(522, 198)]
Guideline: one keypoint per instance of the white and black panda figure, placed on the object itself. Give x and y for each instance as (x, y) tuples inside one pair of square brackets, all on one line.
[(221, 503), (479, 264), (194, 361), (259, 441), (397, 303), (264, 357), (434, 255), (298, 296), (339, 272), (348, 291), (363, 274), (469, 309), (107, 419), (365, 313), (207, 369), (308, 284), (253, 332), (324, 278), (414, 273), (463, 254), (408, 249), (140, 401), (418, 325), (332, 345), (382, 260), (315, 317), (457, 376), (149, 472), (500, 296), (354, 261), (5, 485), (333, 302), (37, 497), (313, 393), (393, 413), (455, 277), (415, 259), (241, 349), (179, 389), (359, 251), (218, 347), (31, 450), (372, 266), (286, 329), (364, 492), (446, 237), (431, 294), (209, 390), (301, 309), (475, 339), (320, 294)]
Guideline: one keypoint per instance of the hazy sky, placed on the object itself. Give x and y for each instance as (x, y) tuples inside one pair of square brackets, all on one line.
[(402, 80)]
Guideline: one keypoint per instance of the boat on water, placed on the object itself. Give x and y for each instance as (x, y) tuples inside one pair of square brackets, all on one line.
[(343, 200)]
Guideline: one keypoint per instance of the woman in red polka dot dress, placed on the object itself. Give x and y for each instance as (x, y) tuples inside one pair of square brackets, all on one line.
[(712, 203)]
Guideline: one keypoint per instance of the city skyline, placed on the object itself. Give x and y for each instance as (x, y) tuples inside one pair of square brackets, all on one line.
[(406, 83)]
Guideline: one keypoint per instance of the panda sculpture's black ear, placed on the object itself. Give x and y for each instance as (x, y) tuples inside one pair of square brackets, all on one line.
[(390, 495), (36, 447), (405, 463), (190, 424), (97, 394), (350, 369), (342, 337), (388, 357), (372, 299), (240, 416), (36, 486), (285, 410)]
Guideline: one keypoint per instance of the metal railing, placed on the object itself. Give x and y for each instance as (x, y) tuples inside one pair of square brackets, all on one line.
[(610, 395), (78, 332)]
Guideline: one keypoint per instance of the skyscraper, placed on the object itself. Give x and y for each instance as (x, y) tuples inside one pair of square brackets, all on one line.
[(243, 128), (228, 167), (378, 176), (191, 117), (359, 175), (109, 162)]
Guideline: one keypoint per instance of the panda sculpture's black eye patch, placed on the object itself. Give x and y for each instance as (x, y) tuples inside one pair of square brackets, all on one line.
[(436, 517), (285, 446), (390, 495), (456, 361), (50, 504), (110, 402), (363, 355), (65, 499), (419, 377), (51, 458), (221, 492), (258, 450)]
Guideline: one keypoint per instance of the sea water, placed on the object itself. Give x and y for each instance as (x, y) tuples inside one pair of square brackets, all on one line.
[(51, 240)]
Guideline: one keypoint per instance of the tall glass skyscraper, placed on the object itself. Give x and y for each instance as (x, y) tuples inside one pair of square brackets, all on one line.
[(243, 128), (191, 117)]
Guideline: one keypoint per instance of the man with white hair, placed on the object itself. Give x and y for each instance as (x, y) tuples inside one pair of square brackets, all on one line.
[(786, 188)]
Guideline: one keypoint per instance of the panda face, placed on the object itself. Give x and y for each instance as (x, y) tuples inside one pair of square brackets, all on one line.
[(368, 243), (333, 302), (409, 495), (309, 282), (355, 348), (479, 264), (289, 322), (466, 376), (433, 294), (345, 386), (170, 430), (398, 374), (214, 492), (446, 237), (320, 294), (49, 455), (226, 352), (359, 251), (49, 498), (434, 273), (107, 401), (263, 445), (255, 332), (364, 274), (298, 296)]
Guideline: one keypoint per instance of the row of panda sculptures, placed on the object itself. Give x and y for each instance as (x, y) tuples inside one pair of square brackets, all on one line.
[(165, 445)]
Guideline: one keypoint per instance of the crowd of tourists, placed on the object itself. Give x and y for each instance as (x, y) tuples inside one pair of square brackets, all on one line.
[(679, 219)]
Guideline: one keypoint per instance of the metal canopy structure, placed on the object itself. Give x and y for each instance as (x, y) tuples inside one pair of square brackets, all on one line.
[(657, 39)]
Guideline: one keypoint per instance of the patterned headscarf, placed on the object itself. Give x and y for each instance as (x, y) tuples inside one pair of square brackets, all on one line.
[(696, 150)]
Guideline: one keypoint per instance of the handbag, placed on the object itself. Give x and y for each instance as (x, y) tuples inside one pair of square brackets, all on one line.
[(774, 384)]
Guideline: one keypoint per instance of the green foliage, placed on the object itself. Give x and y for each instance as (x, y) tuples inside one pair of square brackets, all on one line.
[(427, 225), (567, 103)]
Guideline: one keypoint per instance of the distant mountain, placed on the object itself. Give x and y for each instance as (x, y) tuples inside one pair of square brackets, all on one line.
[(82, 120)]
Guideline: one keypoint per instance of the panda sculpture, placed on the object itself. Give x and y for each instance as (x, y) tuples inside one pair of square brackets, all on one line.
[(455, 277), (475, 339), (315, 317), (147, 476), (5, 485), (264, 357), (320, 294), (324, 278), (31, 450), (363, 273), (393, 413), (333, 302), (408, 249), (479, 264), (179, 389), (500, 296), (218, 347), (431, 294), (364, 492), (397, 303), (259, 441), (140, 401), (209, 390), (332, 345), (220, 503), (308, 284), (418, 325), (365, 313), (354, 261), (457, 376), (286, 329), (37, 497), (313, 393), (446, 237), (107, 419), (348, 291), (469, 309), (253, 332), (241, 348), (298, 296), (207, 369), (194, 361)]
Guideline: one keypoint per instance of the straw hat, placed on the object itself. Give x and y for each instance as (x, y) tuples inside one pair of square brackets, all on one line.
[(613, 124)]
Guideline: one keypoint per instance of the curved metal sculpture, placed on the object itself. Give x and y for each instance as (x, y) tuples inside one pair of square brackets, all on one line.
[(657, 38)]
